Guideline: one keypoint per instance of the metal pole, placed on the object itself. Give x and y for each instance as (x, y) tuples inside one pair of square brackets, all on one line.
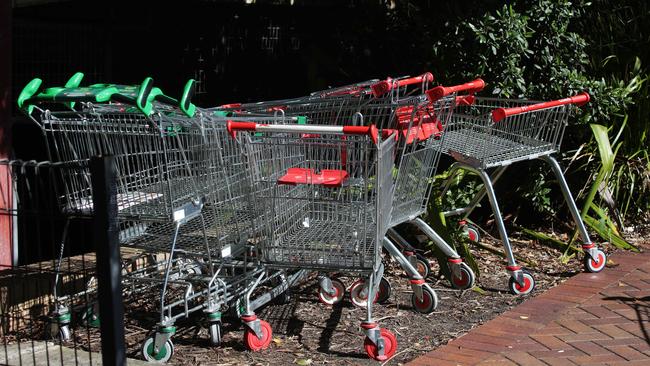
[(7, 253), (106, 239)]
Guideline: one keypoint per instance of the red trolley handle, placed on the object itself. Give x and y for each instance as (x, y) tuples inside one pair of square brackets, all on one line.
[(234, 126), (501, 113), (442, 91), (382, 87)]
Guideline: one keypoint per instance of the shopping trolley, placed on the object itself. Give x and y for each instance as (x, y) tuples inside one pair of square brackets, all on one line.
[(496, 133), (383, 112), (418, 118), (323, 194), (171, 198), (394, 88)]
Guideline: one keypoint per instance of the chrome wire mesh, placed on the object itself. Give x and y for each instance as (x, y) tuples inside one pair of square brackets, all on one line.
[(315, 226), (472, 137)]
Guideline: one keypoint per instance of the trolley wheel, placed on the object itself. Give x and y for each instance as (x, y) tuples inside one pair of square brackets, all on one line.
[(390, 346), (164, 354), (256, 344), (472, 232), (58, 332), (328, 299), (385, 290), (595, 265), (466, 279), (423, 265), (215, 334), (522, 289), (89, 318), (428, 303), (356, 296)]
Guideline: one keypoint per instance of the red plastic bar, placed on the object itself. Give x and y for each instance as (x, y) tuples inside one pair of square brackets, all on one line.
[(384, 86), (441, 91), (231, 105), (426, 77), (465, 100), (501, 113), (232, 127), (362, 130)]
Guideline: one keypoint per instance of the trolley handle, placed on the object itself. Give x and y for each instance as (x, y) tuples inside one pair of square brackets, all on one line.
[(230, 106), (501, 113), (384, 86), (465, 100), (442, 91), (371, 130), (96, 93)]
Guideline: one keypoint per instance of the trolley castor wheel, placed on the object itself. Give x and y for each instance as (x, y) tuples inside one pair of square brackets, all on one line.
[(163, 355), (471, 231), (422, 265), (215, 334), (257, 343), (390, 346), (524, 288), (359, 294), (331, 299), (595, 263), (90, 318), (466, 278), (428, 303), (58, 332), (58, 328), (213, 318), (384, 292)]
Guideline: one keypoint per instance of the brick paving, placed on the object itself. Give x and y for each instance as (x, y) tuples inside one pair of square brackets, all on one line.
[(590, 319)]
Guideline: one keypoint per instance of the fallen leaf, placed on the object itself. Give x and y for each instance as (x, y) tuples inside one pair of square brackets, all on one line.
[(277, 340), (479, 290), (303, 362)]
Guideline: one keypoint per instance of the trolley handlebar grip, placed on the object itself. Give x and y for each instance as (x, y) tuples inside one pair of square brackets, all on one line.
[(234, 126), (426, 77), (230, 106), (501, 113), (382, 87), (465, 100), (442, 91)]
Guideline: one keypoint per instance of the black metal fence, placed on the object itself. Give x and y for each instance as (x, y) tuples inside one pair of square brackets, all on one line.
[(50, 307)]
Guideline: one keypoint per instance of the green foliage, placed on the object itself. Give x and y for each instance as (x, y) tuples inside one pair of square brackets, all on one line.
[(502, 45), (454, 198), (546, 49), (536, 191)]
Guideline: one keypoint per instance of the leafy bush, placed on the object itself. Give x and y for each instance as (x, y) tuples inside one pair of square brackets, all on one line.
[(540, 50)]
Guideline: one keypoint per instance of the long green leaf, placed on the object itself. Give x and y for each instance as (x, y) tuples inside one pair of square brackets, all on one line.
[(604, 232), (603, 217), (604, 147), (548, 240)]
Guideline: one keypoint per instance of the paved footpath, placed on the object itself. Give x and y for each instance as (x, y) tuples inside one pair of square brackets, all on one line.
[(590, 319)]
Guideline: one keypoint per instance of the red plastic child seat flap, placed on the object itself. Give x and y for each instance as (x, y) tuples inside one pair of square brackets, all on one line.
[(411, 134), (430, 128), (326, 177)]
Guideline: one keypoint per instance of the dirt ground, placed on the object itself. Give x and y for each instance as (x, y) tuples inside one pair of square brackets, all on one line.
[(306, 332)]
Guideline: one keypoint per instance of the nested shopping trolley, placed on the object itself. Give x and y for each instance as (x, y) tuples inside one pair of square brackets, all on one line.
[(417, 163), (158, 192), (492, 134), (384, 113), (419, 118), (172, 203), (323, 195)]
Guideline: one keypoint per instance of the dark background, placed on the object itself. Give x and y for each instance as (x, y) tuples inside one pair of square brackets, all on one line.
[(235, 51)]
